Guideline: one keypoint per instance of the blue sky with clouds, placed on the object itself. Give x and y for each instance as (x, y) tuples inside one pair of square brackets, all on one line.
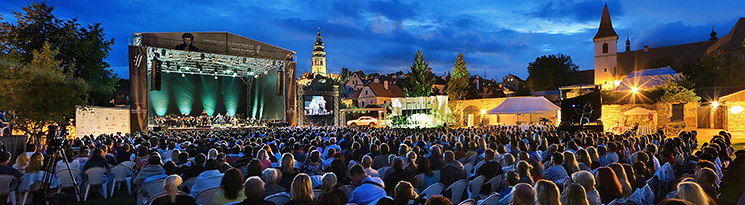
[(495, 37)]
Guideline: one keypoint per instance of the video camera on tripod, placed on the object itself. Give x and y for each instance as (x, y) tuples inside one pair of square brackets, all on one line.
[(56, 137), (56, 140)]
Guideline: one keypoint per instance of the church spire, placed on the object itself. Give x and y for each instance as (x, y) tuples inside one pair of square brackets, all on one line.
[(606, 27), (713, 34), (318, 45), (628, 43)]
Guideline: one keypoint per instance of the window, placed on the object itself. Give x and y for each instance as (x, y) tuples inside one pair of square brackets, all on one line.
[(321, 62), (365, 92), (677, 113), (605, 69), (605, 47)]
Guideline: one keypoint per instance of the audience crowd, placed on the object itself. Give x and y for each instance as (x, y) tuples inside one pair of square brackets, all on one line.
[(366, 165)]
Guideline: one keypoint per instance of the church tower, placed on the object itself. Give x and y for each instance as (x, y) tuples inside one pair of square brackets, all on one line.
[(319, 56), (606, 41)]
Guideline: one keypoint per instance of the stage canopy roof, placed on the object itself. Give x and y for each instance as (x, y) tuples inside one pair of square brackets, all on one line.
[(524, 105), (639, 111), (647, 78)]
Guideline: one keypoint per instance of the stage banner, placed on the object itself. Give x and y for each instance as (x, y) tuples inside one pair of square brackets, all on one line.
[(101, 120), (138, 88), (215, 42), (290, 83)]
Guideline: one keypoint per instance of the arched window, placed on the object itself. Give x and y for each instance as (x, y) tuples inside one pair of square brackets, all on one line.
[(321, 62), (605, 47)]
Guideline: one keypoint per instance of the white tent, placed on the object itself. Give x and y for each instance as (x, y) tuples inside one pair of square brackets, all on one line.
[(647, 78), (525, 110), (640, 111)]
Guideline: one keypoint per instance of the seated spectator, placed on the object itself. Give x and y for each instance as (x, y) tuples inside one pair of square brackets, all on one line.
[(183, 161), (152, 168), (301, 191), (270, 177), (366, 163), (555, 171), (512, 179), (97, 160), (607, 185), (367, 190), (231, 188), (693, 193), (490, 168), (21, 163), (523, 169), (438, 200), (253, 189), (224, 166), (254, 168), (522, 194), (404, 192), (5, 169), (435, 157), (288, 170), (172, 195), (313, 166), (587, 180), (70, 157), (574, 194), (211, 177), (196, 168), (381, 160), (398, 174), (626, 188), (546, 193), (428, 177), (263, 157), (707, 179), (452, 171)]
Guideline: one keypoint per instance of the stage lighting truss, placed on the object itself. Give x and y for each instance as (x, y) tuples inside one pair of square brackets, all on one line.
[(198, 63)]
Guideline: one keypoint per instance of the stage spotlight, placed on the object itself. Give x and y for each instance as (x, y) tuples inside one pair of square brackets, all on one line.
[(183, 75), (266, 72), (256, 76), (634, 90), (215, 77)]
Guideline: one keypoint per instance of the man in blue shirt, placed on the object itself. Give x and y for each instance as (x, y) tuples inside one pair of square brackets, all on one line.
[(5, 169), (367, 190)]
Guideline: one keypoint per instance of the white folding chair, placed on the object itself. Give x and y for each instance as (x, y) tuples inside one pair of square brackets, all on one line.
[(474, 187), (205, 196), (8, 185), (347, 189), (468, 202), (122, 174), (457, 189), (491, 199), (317, 193), (65, 180), (95, 176), (418, 180), (478, 165), (433, 189), (150, 189), (188, 184), (279, 198), (128, 163), (30, 182), (381, 172), (468, 168)]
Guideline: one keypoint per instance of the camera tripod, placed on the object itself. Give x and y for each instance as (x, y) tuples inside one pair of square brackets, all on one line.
[(56, 154)]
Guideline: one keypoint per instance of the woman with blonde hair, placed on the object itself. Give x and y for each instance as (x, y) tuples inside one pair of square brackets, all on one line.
[(36, 163), (523, 170), (583, 159), (621, 175), (594, 163), (574, 195), (287, 170), (264, 159), (22, 162), (570, 163), (546, 193), (693, 193), (301, 190)]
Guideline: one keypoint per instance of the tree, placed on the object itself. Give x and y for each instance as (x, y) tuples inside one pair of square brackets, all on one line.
[(418, 85), (458, 85), (39, 93), (672, 92), (718, 69), (82, 48), (345, 74), (551, 72)]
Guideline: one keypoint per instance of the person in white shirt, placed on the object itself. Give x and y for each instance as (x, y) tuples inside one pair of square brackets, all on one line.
[(211, 177)]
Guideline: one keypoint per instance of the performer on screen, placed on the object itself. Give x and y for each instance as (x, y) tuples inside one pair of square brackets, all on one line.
[(188, 38)]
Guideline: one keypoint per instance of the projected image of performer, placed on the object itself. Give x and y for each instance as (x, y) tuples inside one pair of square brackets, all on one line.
[(188, 39)]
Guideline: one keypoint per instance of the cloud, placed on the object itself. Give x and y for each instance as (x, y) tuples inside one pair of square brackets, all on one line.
[(580, 12), (393, 9)]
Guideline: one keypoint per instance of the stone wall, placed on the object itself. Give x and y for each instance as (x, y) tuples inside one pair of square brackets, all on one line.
[(661, 120), (482, 104), (735, 122)]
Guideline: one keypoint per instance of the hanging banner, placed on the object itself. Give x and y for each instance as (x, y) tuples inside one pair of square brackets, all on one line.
[(92, 120)]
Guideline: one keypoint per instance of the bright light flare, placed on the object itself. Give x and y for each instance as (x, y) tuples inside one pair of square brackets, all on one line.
[(715, 104), (483, 112), (634, 90), (736, 109)]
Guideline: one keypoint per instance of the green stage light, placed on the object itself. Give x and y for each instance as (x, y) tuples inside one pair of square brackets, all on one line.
[(209, 95), (159, 100), (230, 95)]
